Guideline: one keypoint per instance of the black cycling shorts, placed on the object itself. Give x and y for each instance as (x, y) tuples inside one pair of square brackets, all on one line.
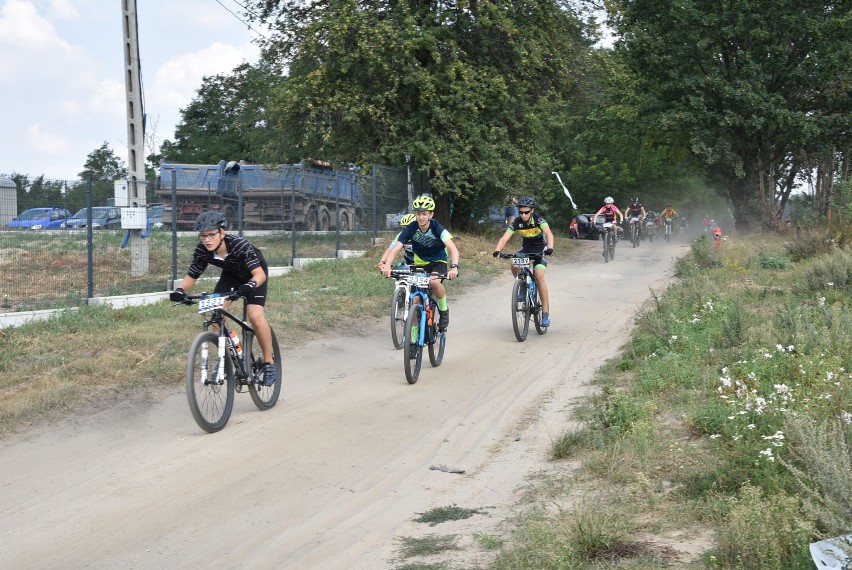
[(231, 282)]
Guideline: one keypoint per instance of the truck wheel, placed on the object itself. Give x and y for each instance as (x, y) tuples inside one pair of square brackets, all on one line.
[(344, 222), (230, 217), (311, 220), (324, 220)]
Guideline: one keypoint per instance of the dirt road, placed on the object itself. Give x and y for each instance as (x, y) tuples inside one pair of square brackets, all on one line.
[(333, 476)]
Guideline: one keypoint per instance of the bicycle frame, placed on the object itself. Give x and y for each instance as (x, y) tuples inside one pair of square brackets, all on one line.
[(218, 317), (421, 292)]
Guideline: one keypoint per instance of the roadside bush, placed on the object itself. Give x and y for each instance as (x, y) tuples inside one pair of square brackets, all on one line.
[(764, 532), (832, 272), (809, 244), (821, 462)]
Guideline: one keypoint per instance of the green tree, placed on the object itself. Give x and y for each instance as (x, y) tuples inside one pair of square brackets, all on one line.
[(227, 120), (755, 87), (470, 90), (104, 167)]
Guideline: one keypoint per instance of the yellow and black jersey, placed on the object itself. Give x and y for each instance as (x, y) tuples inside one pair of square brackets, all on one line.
[(531, 231)]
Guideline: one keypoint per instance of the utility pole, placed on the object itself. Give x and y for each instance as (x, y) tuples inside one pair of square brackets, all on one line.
[(135, 134)]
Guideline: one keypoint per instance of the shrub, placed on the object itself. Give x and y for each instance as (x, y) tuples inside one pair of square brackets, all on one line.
[(831, 272), (764, 532), (821, 462)]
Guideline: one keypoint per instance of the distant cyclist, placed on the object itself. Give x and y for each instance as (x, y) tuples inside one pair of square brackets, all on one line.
[(609, 211), (408, 256), (243, 270), (432, 244), (635, 210), (537, 243), (668, 212)]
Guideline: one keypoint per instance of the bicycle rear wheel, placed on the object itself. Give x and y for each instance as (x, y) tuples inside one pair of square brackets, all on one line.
[(397, 317), (265, 397), (211, 399), (520, 310), (412, 365)]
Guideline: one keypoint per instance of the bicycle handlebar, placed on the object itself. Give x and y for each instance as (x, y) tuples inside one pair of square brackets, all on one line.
[(193, 299)]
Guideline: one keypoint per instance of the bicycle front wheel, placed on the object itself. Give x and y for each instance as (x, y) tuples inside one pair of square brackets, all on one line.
[(436, 345), (412, 324), (539, 328), (520, 310), (265, 397), (210, 391), (397, 317)]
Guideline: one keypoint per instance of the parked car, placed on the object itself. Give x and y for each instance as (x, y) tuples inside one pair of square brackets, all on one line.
[(40, 219), (103, 217), (155, 216), (586, 229)]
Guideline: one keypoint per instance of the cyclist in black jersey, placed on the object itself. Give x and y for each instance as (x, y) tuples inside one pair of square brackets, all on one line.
[(637, 210), (243, 270), (537, 242)]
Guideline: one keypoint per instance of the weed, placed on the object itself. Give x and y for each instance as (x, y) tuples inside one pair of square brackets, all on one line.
[(487, 541), (567, 443), (443, 514), (427, 545)]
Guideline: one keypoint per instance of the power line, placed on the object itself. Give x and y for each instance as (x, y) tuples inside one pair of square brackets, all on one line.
[(235, 15)]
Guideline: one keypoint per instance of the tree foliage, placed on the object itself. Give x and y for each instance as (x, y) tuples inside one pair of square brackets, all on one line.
[(470, 90), (227, 119), (755, 87)]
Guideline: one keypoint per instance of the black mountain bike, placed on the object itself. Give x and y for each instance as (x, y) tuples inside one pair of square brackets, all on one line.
[(219, 365), (526, 301), (609, 233), (634, 231)]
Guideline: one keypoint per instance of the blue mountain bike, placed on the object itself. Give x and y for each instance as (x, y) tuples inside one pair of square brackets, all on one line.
[(421, 326)]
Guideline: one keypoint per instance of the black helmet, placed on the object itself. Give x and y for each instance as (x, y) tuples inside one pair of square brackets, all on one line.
[(210, 220), (634, 200), (527, 202)]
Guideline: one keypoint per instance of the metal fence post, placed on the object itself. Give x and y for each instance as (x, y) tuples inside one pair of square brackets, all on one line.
[(174, 227), (90, 264)]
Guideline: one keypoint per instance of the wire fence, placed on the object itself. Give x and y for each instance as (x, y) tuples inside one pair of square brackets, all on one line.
[(64, 242)]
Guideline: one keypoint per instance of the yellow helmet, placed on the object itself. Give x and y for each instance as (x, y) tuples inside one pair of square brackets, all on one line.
[(407, 219), (423, 203)]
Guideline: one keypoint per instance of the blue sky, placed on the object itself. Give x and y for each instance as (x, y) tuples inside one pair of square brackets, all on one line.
[(62, 74)]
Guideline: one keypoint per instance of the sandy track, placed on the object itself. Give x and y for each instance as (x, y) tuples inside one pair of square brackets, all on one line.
[(334, 474)]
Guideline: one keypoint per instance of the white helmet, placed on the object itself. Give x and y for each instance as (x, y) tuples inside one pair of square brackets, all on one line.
[(608, 200)]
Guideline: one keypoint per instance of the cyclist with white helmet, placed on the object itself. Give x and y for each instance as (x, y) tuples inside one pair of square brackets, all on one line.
[(243, 270), (408, 256), (432, 245), (537, 243), (609, 211)]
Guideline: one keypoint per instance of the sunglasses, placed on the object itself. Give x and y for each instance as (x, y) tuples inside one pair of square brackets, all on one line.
[(525, 212)]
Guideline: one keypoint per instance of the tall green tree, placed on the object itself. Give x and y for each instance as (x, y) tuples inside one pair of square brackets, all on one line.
[(104, 167), (755, 86), (471, 90), (227, 119)]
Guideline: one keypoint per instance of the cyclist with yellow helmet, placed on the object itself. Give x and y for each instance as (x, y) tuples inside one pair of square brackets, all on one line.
[(408, 256), (432, 244)]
